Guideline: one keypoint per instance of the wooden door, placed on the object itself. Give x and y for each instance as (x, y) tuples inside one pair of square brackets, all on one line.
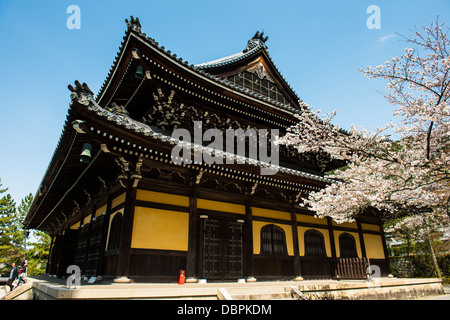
[(81, 248), (222, 250), (94, 247), (68, 251)]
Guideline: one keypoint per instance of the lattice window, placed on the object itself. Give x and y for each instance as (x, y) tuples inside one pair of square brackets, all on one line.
[(115, 231), (347, 246), (314, 244), (81, 248), (273, 240), (94, 246), (263, 86)]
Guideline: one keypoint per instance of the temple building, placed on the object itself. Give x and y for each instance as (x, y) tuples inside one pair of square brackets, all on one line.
[(119, 205)]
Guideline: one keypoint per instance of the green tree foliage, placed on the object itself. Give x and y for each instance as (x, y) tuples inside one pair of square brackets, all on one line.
[(10, 249), (37, 245), (16, 243), (38, 253)]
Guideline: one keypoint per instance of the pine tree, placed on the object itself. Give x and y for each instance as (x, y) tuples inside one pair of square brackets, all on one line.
[(14, 246), (10, 249), (38, 253), (39, 246)]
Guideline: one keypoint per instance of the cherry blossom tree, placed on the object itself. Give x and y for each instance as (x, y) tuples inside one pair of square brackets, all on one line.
[(420, 228), (409, 176)]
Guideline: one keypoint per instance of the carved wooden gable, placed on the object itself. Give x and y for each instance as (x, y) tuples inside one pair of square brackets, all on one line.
[(254, 70)]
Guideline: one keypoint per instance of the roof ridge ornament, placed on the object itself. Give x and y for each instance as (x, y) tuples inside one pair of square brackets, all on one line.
[(81, 93), (133, 24), (257, 40), (117, 110)]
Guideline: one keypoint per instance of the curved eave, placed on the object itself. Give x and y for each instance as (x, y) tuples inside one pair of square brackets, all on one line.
[(146, 131), (56, 161), (61, 174)]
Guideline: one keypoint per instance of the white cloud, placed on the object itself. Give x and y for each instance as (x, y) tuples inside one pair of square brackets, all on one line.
[(384, 39)]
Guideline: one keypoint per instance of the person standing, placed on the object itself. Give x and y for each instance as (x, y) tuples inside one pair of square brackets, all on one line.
[(12, 276), (22, 273)]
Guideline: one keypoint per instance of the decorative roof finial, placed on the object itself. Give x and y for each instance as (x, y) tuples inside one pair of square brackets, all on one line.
[(257, 40), (260, 36), (117, 110), (81, 93), (133, 24)]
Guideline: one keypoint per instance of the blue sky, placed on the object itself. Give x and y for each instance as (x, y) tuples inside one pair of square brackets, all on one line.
[(317, 45)]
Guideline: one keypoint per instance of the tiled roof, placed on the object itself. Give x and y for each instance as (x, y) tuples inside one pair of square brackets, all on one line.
[(133, 28), (227, 60)]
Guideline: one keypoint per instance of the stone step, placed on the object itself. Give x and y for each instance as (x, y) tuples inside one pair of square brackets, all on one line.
[(23, 292), (264, 296), (257, 289), (281, 292)]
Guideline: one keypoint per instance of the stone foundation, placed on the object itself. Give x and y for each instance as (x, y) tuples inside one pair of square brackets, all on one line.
[(383, 289)]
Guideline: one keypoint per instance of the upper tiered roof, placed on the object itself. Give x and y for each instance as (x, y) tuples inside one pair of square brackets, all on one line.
[(255, 52)]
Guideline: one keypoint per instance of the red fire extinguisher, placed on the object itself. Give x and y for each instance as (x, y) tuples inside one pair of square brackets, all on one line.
[(181, 276)]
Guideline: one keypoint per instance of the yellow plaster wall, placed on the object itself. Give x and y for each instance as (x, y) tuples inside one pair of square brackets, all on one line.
[(268, 213), (160, 197), (75, 226), (100, 211), (220, 206), (160, 229), (355, 236), (257, 226), (87, 219), (373, 227), (374, 246), (118, 200), (301, 239), (351, 225), (310, 219)]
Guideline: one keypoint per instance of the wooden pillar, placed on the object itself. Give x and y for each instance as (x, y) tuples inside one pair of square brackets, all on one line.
[(50, 254), (88, 239), (193, 237), (249, 272), (385, 250), (123, 266), (297, 265), (361, 239), (334, 264), (58, 258), (331, 234), (103, 244), (200, 246)]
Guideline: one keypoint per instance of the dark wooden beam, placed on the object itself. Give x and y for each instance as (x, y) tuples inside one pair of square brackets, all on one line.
[(103, 244), (193, 238), (247, 238), (333, 247), (361, 239), (123, 267), (331, 235), (297, 265)]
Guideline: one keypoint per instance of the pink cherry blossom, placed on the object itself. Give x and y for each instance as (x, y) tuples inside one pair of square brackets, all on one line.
[(409, 176)]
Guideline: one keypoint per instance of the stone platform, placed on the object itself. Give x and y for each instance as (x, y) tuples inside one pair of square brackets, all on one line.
[(46, 288)]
